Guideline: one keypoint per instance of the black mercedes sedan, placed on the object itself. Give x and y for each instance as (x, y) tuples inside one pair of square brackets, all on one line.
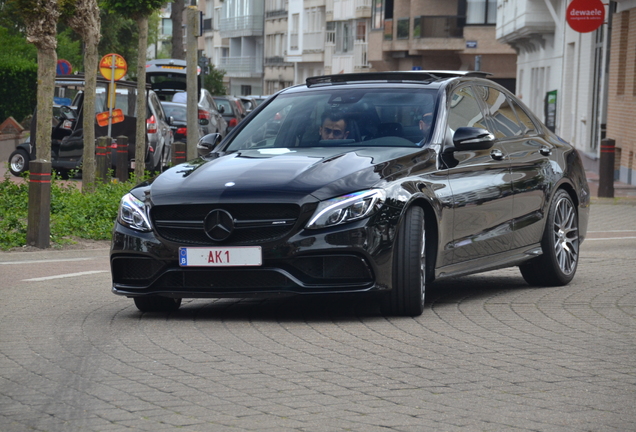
[(376, 183)]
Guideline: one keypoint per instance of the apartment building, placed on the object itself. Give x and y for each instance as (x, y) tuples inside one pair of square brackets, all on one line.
[(439, 35), (236, 42), (278, 73)]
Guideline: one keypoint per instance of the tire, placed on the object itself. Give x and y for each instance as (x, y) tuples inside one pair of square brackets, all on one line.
[(560, 244), (409, 267), (152, 303), (19, 162)]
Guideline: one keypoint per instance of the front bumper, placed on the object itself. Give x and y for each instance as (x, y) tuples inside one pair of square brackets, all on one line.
[(353, 258)]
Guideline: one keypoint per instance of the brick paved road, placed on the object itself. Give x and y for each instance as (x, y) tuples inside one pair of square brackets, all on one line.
[(488, 354)]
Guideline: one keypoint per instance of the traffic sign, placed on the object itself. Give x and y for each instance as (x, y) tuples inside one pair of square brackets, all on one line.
[(63, 67), (116, 117), (585, 16), (113, 67)]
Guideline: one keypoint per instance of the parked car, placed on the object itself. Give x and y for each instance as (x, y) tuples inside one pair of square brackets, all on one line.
[(67, 133), (376, 183), (167, 77), (248, 102), (177, 113), (231, 109)]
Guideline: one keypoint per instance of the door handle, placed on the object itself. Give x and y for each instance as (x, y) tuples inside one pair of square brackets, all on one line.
[(545, 150), (496, 154)]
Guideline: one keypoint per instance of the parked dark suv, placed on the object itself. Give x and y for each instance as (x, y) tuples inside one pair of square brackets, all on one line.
[(375, 183), (67, 133)]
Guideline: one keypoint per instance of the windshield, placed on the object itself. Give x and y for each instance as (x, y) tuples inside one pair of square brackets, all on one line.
[(395, 117)]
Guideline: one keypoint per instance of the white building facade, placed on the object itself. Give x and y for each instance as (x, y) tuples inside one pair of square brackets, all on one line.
[(557, 67)]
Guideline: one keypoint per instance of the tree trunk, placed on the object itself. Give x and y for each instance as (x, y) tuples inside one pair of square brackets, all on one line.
[(47, 63), (90, 70), (140, 137), (177, 29), (87, 23)]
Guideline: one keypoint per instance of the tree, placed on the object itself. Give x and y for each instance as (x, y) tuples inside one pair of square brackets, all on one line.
[(176, 15), (40, 18), (139, 10), (86, 22), (213, 81)]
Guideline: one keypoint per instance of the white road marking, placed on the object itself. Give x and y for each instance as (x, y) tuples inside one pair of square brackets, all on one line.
[(64, 276), (45, 261)]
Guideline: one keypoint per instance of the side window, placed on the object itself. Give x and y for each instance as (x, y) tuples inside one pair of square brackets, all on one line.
[(525, 119), (503, 115), (158, 109), (464, 110)]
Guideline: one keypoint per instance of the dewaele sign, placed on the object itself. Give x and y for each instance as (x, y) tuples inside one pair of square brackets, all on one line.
[(585, 16)]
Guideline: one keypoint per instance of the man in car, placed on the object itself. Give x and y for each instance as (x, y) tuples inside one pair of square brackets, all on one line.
[(334, 126)]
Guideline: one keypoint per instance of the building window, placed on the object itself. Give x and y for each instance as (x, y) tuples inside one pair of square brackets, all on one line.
[(388, 29), (293, 37), (344, 37), (166, 26), (330, 34), (481, 12), (246, 90), (377, 14), (403, 28), (361, 31)]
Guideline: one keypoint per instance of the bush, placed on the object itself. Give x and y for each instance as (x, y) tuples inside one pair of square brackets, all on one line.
[(18, 92), (73, 214)]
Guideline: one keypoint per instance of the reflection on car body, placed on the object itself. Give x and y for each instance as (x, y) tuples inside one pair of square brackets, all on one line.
[(388, 207)]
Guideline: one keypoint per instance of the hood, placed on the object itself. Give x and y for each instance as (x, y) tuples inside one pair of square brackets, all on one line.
[(274, 175)]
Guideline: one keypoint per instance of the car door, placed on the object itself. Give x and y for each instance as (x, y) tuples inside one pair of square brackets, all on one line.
[(530, 164), (481, 186)]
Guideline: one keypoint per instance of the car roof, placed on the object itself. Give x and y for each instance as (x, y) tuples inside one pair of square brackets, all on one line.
[(428, 77)]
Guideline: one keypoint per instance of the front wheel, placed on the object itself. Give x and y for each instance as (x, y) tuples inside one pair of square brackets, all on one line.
[(560, 245), (409, 267), (152, 303), (19, 162)]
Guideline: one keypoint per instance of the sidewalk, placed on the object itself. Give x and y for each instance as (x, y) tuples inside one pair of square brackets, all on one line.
[(622, 190)]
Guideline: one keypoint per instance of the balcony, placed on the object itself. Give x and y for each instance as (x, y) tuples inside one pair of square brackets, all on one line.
[(526, 19), (241, 26), (276, 61), (449, 26), (280, 13), (242, 67)]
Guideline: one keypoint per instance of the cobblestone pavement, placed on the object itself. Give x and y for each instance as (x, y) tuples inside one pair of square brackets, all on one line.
[(489, 353)]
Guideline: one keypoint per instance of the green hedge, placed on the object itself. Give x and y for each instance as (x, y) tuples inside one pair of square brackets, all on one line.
[(18, 87)]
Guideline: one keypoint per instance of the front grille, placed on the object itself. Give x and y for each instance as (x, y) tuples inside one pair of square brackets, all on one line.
[(254, 223)]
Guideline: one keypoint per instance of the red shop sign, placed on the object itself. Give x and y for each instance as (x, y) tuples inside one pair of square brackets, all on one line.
[(585, 16)]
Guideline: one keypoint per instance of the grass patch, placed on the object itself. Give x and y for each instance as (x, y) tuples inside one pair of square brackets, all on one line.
[(73, 214)]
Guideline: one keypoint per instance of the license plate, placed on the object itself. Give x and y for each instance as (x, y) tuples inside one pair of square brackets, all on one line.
[(220, 256)]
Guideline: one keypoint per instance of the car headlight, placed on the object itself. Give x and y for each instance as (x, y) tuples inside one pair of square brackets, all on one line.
[(132, 213), (347, 208)]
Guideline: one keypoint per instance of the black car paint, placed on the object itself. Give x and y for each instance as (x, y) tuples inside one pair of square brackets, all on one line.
[(483, 215)]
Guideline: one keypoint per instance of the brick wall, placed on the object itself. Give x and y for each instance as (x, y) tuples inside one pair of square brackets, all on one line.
[(621, 109)]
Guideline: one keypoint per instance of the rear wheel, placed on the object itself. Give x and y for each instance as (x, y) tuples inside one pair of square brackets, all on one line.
[(560, 245), (19, 162), (409, 267), (154, 303)]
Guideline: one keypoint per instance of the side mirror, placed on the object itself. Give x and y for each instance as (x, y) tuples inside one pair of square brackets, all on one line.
[(170, 120), (221, 109), (472, 138), (208, 143)]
